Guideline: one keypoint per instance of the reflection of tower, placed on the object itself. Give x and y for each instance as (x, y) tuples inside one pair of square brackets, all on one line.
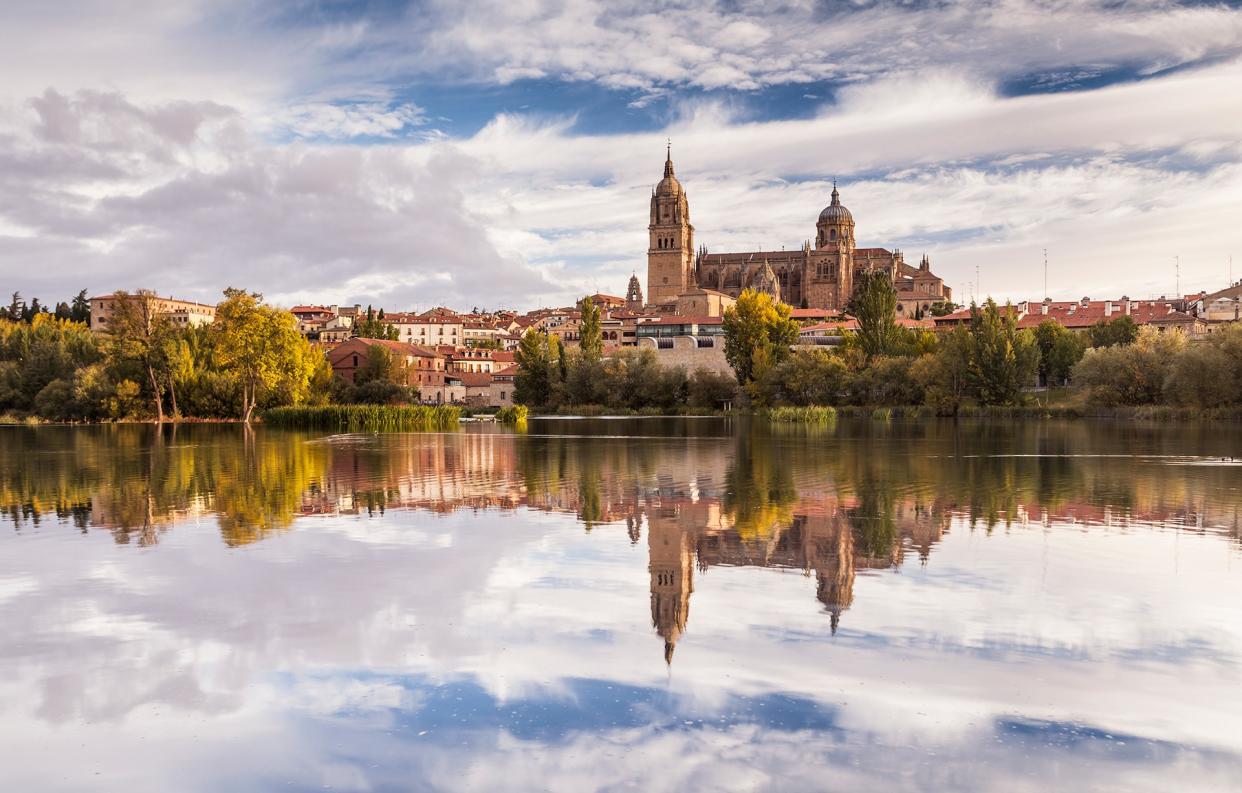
[(833, 560), (672, 578)]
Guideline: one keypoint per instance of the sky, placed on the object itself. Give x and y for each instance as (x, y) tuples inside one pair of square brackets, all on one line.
[(501, 153)]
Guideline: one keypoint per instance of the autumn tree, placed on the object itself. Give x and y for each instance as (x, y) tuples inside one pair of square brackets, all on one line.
[(759, 333), (260, 346), (139, 333), (591, 334)]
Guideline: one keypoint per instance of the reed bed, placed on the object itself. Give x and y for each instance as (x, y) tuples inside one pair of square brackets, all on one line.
[(514, 414), (365, 418), (816, 414)]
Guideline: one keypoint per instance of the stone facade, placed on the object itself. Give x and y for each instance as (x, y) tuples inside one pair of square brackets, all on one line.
[(820, 276), (670, 243)]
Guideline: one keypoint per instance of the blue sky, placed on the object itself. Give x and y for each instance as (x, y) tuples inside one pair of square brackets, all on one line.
[(496, 153)]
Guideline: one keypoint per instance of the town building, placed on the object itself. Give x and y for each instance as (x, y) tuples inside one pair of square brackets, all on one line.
[(688, 342), (417, 367), (1079, 315), (183, 313), (430, 328), (820, 275)]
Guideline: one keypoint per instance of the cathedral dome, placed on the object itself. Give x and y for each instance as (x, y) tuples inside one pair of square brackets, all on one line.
[(669, 184), (835, 212)]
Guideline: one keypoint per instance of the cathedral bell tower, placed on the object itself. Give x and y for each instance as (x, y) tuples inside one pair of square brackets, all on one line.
[(836, 225), (670, 249)]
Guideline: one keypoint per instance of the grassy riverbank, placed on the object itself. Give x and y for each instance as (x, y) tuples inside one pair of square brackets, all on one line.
[(365, 418)]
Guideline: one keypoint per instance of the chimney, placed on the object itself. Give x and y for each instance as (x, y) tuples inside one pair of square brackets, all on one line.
[(1044, 306), (335, 309), (1125, 305), (1108, 308)]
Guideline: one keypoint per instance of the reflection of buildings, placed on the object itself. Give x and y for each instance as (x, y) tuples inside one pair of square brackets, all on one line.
[(819, 540)]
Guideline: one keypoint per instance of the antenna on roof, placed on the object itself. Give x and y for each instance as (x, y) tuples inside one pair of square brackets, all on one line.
[(1177, 275), (1045, 273)]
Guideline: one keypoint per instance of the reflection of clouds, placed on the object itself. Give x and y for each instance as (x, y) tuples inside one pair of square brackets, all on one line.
[(522, 647)]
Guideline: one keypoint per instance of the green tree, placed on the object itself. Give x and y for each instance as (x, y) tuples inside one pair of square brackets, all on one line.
[(1113, 332), (1059, 350), (1003, 359), (812, 377), (80, 309), (758, 334), (374, 327), (591, 335), (942, 307), (379, 365), (875, 306), (538, 358), (260, 346)]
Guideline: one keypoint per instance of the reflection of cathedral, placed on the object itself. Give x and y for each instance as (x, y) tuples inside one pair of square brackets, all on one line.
[(819, 540), (814, 276)]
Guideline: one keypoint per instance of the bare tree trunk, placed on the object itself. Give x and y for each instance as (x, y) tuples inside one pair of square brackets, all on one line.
[(159, 395), (247, 403), (172, 391)]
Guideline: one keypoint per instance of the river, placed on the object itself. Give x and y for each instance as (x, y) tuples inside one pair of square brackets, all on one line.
[(628, 604)]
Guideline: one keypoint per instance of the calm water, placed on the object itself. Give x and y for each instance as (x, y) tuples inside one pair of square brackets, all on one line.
[(651, 605)]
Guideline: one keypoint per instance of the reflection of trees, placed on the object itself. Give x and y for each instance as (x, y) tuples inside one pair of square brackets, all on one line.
[(760, 488), (136, 480), (891, 481), (260, 489)]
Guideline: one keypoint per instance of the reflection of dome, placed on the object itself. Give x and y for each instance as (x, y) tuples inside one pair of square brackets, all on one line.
[(835, 212)]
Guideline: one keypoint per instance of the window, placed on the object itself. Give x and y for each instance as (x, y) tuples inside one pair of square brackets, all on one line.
[(705, 342), (355, 361)]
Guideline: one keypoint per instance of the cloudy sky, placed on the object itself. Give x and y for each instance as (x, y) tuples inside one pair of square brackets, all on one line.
[(501, 152)]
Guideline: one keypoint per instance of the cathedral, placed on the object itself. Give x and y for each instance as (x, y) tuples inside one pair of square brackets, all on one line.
[(820, 276)]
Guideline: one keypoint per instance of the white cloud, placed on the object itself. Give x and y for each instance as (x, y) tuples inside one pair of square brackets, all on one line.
[(183, 153)]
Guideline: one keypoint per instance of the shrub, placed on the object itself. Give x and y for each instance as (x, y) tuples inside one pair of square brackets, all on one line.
[(514, 414)]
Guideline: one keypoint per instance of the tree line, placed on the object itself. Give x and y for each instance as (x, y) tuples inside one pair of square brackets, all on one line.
[(985, 360), (552, 377), (147, 366)]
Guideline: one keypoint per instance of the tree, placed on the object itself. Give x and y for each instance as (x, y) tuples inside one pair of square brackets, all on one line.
[(139, 333), (1131, 374), (260, 346), (379, 365), (16, 309), (1110, 333), (80, 309), (591, 336), (812, 377), (1059, 349), (1003, 359), (539, 362), (758, 332), (875, 306), (374, 327), (942, 307)]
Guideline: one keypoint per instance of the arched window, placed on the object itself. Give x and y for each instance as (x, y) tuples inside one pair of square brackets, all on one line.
[(832, 235)]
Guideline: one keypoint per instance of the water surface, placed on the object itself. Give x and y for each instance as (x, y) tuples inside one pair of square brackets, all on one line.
[(655, 605)]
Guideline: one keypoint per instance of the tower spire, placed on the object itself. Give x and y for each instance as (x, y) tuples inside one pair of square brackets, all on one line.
[(668, 157), (836, 197)]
